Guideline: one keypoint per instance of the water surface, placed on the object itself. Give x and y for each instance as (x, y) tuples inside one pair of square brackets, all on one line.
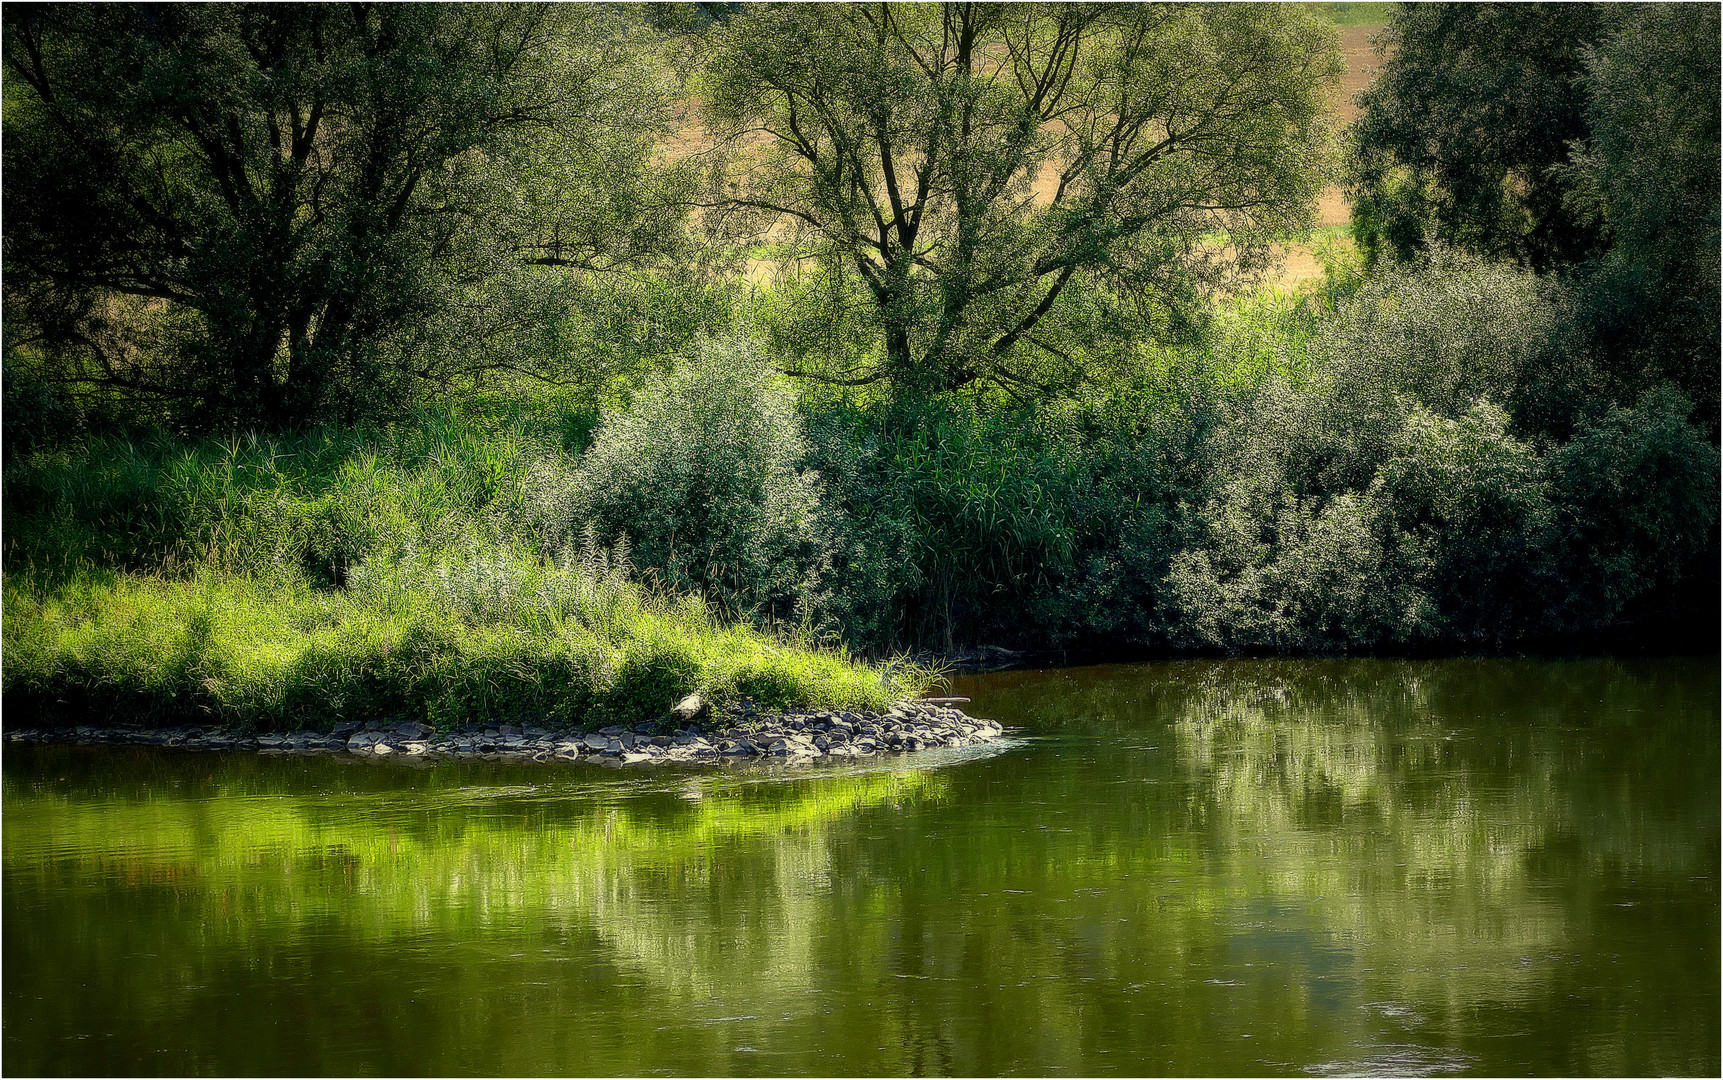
[(1241, 867)]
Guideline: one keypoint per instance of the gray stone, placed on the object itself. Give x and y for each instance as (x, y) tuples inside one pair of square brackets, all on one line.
[(908, 726), (689, 708)]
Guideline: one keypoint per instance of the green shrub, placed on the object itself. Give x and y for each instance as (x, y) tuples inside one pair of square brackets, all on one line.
[(957, 521), (1636, 498), (1275, 572), (1391, 499), (1441, 333), (1381, 498), (702, 475), (1463, 511)]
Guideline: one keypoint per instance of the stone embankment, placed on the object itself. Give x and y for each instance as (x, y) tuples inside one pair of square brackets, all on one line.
[(735, 733)]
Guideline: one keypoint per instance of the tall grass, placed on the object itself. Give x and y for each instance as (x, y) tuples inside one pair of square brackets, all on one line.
[(496, 637), (423, 570)]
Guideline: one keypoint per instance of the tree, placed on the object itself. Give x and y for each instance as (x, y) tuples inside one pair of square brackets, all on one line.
[(991, 174), (1573, 139), (246, 212), (1648, 178), (1464, 130)]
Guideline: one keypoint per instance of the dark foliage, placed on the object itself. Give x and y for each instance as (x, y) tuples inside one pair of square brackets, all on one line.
[(241, 212), (1465, 127), (1649, 176)]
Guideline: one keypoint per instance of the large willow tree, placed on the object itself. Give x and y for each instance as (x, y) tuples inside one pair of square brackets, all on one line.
[(986, 172), (249, 212)]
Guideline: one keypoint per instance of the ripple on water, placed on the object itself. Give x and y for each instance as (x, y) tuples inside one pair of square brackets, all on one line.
[(1397, 1059)]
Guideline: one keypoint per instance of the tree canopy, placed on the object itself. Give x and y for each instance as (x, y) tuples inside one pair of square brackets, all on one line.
[(1462, 132), (1648, 176), (974, 166), (241, 210), (1579, 139)]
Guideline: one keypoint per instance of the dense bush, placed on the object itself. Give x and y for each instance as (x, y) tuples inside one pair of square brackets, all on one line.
[(1412, 490), (943, 514), (1637, 499), (956, 521), (1445, 331), (702, 475)]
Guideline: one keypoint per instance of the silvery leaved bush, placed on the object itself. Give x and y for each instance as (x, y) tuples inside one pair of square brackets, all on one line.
[(701, 474)]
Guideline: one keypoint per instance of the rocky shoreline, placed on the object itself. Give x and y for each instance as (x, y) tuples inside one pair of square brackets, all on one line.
[(700, 735)]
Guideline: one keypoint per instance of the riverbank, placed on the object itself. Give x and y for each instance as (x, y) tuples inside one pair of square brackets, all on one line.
[(492, 638), (733, 733)]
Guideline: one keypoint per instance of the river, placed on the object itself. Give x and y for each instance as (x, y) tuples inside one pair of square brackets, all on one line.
[(1501, 867)]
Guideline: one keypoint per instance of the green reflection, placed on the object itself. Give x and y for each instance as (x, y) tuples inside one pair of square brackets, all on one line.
[(1240, 867)]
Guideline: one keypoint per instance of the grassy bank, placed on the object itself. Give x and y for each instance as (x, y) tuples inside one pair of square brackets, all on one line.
[(492, 639), (1428, 458), (428, 570)]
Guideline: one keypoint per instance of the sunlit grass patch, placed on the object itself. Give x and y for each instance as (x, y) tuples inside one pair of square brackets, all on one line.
[(1344, 14), (503, 639)]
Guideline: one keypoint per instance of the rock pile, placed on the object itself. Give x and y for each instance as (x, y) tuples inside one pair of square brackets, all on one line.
[(731, 734)]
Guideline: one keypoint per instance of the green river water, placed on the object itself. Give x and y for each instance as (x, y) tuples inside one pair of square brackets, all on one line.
[(1499, 867)]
